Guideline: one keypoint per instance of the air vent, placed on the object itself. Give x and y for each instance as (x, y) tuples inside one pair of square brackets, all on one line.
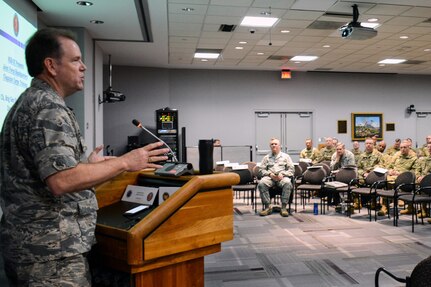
[(325, 25), (226, 28), (279, 58)]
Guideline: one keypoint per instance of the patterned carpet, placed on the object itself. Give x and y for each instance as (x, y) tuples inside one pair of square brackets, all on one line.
[(315, 250)]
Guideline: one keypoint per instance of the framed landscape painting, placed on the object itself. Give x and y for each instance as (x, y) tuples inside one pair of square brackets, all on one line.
[(366, 125)]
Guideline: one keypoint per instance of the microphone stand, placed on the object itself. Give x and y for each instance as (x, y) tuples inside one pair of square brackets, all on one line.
[(139, 125)]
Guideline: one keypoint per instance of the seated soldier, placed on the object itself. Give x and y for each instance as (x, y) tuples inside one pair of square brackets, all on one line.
[(276, 169), (368, 160), (309, 152), (327, 152), (404, 161), (341, 158)]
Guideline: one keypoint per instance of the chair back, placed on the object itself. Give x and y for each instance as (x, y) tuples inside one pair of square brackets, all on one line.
[(314, 175), (326, 167), (346, 175), (421, 275), (407, 178), (374, 177), (327, 162), (303, 165), (244, 175), (426, 181), (425, 185), (298, 170)]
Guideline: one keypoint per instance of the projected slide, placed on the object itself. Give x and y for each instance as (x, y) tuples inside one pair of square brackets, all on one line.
[(15, 30)]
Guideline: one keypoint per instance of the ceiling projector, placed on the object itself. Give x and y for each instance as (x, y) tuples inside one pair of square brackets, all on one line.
[(357, 32), (354, 30)]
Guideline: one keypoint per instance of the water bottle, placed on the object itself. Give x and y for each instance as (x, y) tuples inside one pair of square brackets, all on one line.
[(206, 161), (316, 208)]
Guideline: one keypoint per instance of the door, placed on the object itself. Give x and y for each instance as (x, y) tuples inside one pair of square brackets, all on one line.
[(292, 128), (423, 123)]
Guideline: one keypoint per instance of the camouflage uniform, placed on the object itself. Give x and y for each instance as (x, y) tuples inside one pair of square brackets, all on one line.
[(423, 166), (326, 154), (392, 150), (41, 137), (385, 161), (312, 154), (367, 162), (403, 163), (347, 159), (357, 153), (423, 151), (276, 164)]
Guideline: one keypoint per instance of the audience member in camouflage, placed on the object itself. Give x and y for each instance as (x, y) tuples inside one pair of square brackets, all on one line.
[(423, 151), (327, 152), (422, 169), (368, 160), (276, 169), (49, 207), (404, 161), (310, 152), (356, 150), (381, 146), (395, 148), (342, 158)]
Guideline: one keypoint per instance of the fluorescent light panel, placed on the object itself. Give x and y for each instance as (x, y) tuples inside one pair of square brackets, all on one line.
[(392, 61), (207, 53), (264, 22), (304, 58)]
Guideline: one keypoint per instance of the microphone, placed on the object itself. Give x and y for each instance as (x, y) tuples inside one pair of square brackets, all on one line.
[(139, 125)]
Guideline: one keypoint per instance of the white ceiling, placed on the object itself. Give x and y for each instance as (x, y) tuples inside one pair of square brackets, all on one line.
[(177, 34)]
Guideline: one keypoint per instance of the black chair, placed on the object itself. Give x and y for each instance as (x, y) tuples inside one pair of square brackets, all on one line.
[(404, 184), (373, 181), (247, 185), (420, 276), (312, 181), (421, 195), (345, 179)]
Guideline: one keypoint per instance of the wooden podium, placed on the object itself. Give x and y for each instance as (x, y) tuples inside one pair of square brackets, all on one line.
[(168, 245)]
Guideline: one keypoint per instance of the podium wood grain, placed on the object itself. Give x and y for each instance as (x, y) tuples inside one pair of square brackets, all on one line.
[(171, 241)]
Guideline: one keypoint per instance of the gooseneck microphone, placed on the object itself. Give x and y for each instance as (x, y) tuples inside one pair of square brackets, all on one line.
[(139, 125)]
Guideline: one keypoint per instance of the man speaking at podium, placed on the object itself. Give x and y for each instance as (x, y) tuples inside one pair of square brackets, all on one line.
[(49, 207)]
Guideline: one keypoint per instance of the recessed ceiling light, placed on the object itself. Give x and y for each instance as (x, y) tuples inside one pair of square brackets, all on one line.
[(239, 48), (297, 62), (304, 58), (204, 60), (373, 20), (326, 46), (285, 31), (242, 42), (427, 50), (382, 65), (84, 3), (392, 61), (96, 22), (260, 53), (404, 37), (207, 53), (188, 9), (258, 21), (370, 25)]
